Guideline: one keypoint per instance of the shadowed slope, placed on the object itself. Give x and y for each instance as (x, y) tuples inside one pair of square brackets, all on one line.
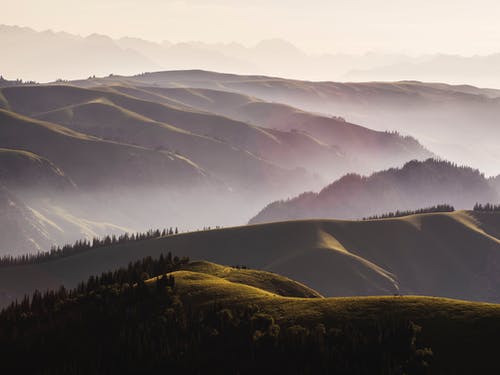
[(444, 254), (93, 162), (22, 170), (458, 122), (280, 134), (236, 166), (372, 148), (416, 184), (220, 145), (22, 230)]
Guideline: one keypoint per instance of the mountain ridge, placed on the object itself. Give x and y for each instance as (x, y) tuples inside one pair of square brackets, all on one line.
[(403, 255), (416, 184)]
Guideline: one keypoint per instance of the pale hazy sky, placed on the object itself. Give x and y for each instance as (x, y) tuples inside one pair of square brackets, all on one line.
[(411, 26)]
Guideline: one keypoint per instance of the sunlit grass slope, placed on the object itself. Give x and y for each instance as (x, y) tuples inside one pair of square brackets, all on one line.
[(444, 254), (460, 334), (270, 282)]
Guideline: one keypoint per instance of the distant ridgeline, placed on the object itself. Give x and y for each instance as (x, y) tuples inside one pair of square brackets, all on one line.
[(427, 210), (488, 207), (18, 82), (86, 245), (126, 322), (81, 246)]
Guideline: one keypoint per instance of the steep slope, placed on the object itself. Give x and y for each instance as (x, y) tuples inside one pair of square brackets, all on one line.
[(31, 216), (21, 171), (416, 184), (336, 258), (23, 230)]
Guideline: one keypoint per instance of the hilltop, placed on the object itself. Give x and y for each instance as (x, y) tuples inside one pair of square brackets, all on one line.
[(177, 119), (416, 184), (169, 313), (405, 255), (457, 122), (142, 154)]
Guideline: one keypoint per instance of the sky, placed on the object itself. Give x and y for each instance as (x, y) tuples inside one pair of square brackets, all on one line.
[(316, 26)]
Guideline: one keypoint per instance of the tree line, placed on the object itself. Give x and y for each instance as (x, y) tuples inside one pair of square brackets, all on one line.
[(488, 207), (83, 245), (118, 323), (398, 213)]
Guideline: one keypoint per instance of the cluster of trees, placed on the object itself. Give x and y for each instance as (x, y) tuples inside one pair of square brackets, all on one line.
[(81, 246), (116, 323), (488, 207), (18, 82), (437, 208), (212, 228)]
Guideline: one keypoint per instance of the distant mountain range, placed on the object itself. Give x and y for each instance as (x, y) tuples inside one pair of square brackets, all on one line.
[(416, 184), (122, 153), (69, 56), (146, 150), (457, 122)]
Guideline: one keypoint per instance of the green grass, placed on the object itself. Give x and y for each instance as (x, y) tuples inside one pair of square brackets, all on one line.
[(93, 161), (442, 254), (462, 335), (262, 280)]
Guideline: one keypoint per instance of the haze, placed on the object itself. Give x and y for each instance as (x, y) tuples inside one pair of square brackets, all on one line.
[(456, 27)]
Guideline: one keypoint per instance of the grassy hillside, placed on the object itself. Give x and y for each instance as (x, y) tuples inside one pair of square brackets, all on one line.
[(215, 154), (460, 334), (457, 122), (22, 170), (280, 134), (200, 311), (337, 258), (444, 321), (21, 228), (226, 144), (93, 162), (231, 278), (417, 184), (368, 147)]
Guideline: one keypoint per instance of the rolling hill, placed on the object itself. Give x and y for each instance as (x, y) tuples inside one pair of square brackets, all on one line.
[(93, 162), (230, 280), (457, 122), (142, 155), (404, 255), (198, 311), (294, 139), (23, 170), (32, 189), (87, 187), (366, 149), (416, 184), (21, 229), (443, 320)]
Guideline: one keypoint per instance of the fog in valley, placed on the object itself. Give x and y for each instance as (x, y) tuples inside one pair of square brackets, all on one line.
[(106, 129)]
